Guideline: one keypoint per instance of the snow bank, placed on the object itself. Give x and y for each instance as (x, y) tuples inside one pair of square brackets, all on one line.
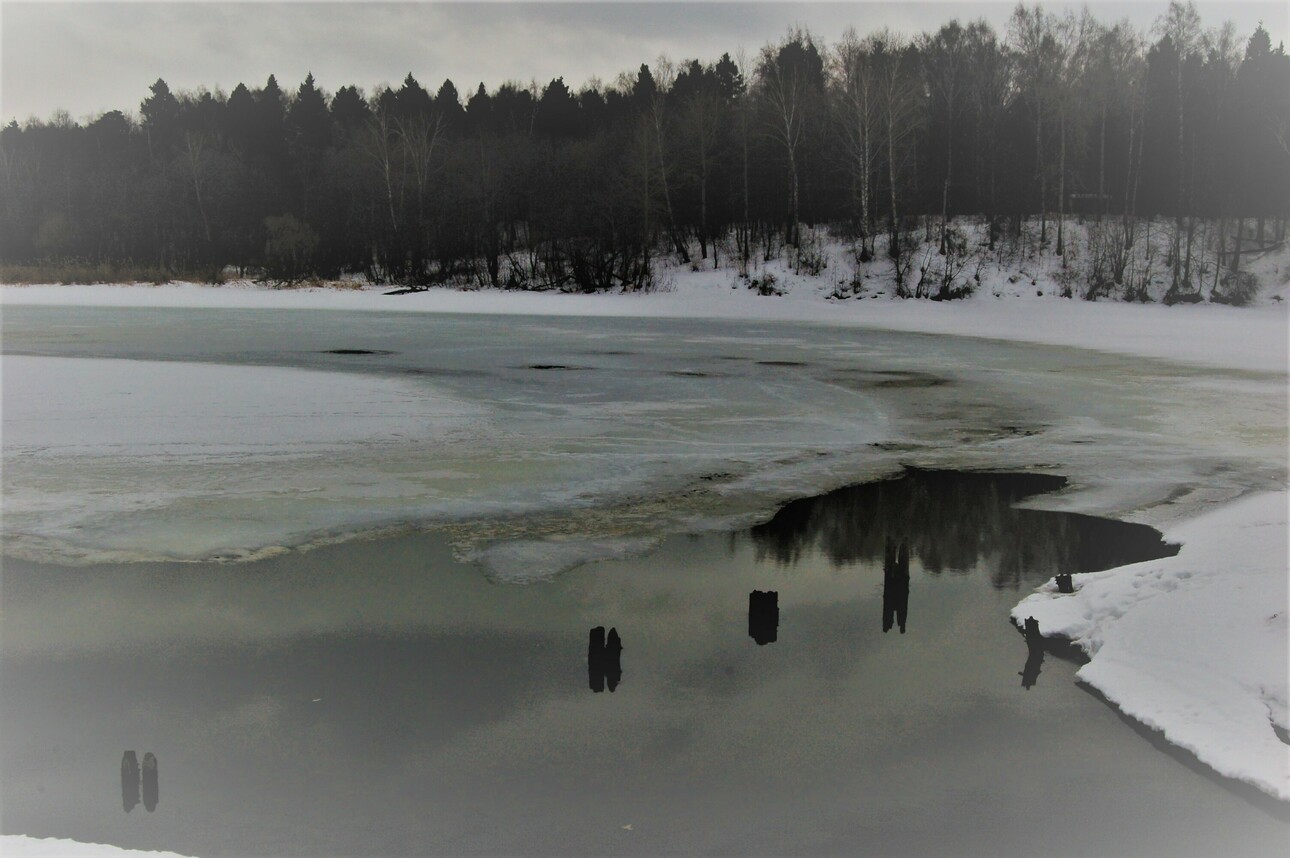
[(1252, 338), (18, 846), (1195, 645)]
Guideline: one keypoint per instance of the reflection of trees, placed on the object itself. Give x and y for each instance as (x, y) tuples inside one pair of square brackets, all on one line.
[(954, 522)]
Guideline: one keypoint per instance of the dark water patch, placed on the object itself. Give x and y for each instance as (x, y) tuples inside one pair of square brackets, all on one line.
[(446, 372), (952, 522), (781, 363), (1020, 431), (557, 366), (376, 352), (889, 379), (692, 373)]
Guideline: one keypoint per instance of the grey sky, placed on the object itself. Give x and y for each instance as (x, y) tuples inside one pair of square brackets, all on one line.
[(89, 57)]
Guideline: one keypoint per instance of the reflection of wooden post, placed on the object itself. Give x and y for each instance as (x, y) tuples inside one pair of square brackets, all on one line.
[(1035, 654), (613, 662), (895, 586), (151, 789), (604, 665), (596, 659), (129, 781), (763, 616)]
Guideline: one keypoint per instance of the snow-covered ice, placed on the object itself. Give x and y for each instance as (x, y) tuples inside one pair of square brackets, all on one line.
[(20, 846), (1238, 338), (1194, 645)]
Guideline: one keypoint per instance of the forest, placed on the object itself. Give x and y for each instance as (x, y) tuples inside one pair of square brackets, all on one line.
[(885, 141)]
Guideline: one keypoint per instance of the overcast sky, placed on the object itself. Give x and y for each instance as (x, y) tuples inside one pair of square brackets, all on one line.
[(90, 57)]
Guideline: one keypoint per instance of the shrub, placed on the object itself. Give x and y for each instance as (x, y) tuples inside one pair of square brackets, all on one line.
[(1237, 289), (288, 247)]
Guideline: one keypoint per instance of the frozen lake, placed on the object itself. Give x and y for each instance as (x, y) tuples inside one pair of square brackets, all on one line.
[(427, 691), (204, 434)]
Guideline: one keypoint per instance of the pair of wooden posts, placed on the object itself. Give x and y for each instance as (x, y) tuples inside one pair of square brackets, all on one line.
[(132, 779)]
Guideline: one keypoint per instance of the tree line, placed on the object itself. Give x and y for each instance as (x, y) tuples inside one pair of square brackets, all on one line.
[(888, 140)]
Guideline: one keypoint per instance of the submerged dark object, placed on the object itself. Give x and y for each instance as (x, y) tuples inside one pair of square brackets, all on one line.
[(763, 616), (151, 788), (604, 664), (129, 781), (895, 586)]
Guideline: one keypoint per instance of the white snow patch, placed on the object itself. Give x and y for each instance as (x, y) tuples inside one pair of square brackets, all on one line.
[(20, 846), (1195, 645)]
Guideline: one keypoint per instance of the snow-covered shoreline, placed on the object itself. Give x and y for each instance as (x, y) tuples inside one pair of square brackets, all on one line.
[(1194, 646), (1251, 338)]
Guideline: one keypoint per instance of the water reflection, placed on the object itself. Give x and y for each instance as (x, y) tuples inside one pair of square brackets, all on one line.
[(763, 616), (151, 788), (895, 586), (129, 781), (604, 662), (132, 778), (954, 521), (1034, 654)]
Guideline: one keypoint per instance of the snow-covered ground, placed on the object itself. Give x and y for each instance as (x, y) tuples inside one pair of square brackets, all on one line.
[(18, 846), (1194, 646)]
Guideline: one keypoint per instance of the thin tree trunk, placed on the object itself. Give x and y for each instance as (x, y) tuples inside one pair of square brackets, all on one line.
[(1039, 169), (1061, 190), (1222, 250), (949, 173), (1235, 265), (1101, 170)]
